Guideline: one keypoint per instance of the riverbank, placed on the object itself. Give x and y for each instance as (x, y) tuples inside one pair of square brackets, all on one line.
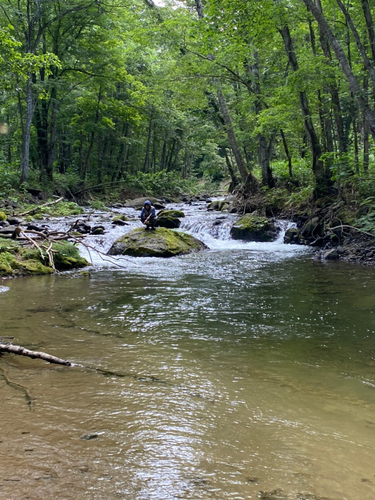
[(333, 227), (322, 226)]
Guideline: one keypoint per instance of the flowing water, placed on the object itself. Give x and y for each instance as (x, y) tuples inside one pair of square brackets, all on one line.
[(247, 371)]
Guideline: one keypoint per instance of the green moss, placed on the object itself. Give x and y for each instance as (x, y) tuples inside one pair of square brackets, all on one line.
[(254, 228), (120, 217), (171, 213), (7, 245), (61, 209), (253, 222), (13, 264), (99, 205), (159, 243), (66, 256), (3, 216), (16, 260)]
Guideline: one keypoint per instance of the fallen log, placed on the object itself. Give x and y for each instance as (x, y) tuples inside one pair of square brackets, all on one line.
[(17, 349), (39, 207)]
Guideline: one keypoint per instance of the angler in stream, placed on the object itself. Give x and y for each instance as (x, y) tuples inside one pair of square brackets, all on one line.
[(148, 215)]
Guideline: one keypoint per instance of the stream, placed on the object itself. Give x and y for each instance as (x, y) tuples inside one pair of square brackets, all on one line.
[(243, 372)]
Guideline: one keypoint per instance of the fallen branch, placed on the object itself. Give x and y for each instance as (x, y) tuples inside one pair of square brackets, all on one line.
[(102, 255), (34, 243), (347, 226), (36, 209), (17, 349)]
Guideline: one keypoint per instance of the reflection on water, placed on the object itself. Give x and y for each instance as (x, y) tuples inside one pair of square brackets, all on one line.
[(225, 374)]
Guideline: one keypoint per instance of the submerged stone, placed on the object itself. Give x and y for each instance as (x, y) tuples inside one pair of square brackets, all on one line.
[(160, 242), (254, 228)]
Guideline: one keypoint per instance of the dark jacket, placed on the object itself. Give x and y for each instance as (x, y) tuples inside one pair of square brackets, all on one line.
[(145, 213)]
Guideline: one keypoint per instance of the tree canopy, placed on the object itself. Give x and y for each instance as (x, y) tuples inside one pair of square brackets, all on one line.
[(103, 92)]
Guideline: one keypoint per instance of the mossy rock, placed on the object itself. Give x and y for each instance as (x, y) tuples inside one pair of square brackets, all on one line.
[(293, 236), (66, 256), (254, 228), (218, 205), (160, 242), (120, 217), (169, 219), (178, 214), (15, 263), (3, 216), (313, 228), (16, 260)]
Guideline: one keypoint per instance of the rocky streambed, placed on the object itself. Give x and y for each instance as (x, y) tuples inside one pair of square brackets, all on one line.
[(181, 228)]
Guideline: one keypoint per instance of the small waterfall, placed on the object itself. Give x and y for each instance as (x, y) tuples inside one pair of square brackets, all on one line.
[(209, 226), (213, 228)]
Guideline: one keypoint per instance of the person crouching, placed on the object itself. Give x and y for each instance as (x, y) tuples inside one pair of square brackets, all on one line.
[(148, 215)]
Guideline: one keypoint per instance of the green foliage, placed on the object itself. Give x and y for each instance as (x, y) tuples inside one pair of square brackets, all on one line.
[(61, 209), (161, 183), (18, 261), (98, 205), (126, 95), (9, 179), (66, 256)]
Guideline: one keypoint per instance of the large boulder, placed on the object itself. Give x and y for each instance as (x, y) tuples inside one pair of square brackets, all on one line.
[(313, 228), (160, 242), (294, 236), (218, 205), (254, 228), (139, 202), (169, 219)]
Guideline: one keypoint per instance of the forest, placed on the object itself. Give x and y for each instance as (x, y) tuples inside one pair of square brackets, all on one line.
[(187, 208), (271, 98)]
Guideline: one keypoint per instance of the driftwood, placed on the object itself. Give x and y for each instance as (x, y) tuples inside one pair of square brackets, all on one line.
[(17, 349), (36, 209)]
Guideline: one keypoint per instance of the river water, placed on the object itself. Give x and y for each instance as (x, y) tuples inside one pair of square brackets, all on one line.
[(243, 372)]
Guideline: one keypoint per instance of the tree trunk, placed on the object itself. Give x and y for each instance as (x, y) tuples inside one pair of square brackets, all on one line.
[(366, 151), (286, 149), (199, 7), (27, 130), (356, 148), (369, 26), (344, 64), (148, 146), (265, 153), (322, 184), (52, 134), (235, 181), (361, 48), (265, 147), (231, 137)]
